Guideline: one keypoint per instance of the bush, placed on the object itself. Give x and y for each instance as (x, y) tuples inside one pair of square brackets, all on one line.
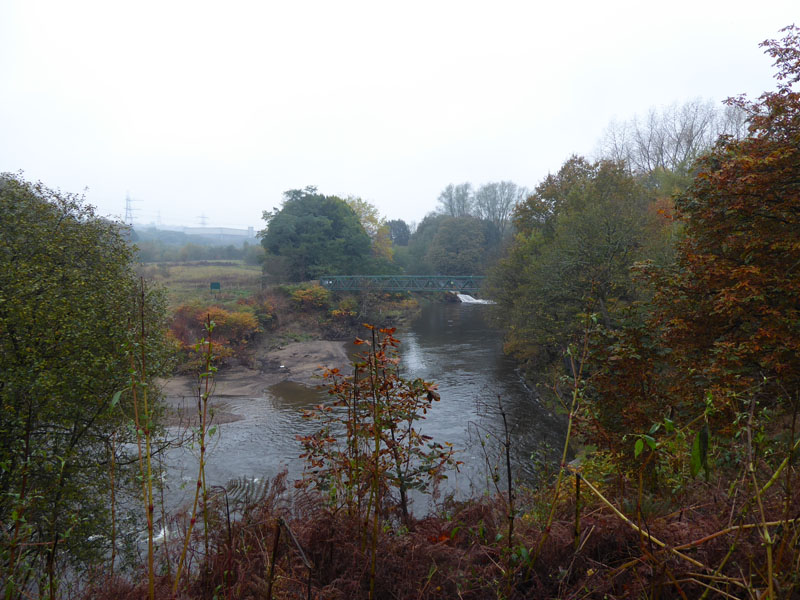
[(383, 451), (309, 297), (264, 310), (72, 312), (233, 331)]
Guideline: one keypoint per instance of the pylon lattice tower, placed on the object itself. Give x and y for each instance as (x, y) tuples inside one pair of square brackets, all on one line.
[(128, 210)]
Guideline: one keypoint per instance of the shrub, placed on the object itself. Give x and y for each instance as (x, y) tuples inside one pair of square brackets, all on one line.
[(308, 297), (73, 318), (264, 311), (382, 448), (233, 331)]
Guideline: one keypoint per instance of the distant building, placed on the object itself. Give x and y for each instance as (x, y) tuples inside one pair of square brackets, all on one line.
[(220, 231)]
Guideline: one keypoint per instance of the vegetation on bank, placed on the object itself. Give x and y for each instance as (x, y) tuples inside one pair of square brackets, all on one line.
[(670, 328), (81, 339), (252, 317), (190, 281)]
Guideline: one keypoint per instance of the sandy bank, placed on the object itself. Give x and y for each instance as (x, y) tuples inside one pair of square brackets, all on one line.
[(299, 362)]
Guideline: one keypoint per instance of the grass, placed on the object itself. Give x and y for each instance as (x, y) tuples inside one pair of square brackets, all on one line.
[(186, 282)]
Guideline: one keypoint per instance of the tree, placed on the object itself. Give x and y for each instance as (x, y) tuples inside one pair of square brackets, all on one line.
[(69, 300), (672, 138), (728, 309), (375, 226), (368, 215), (552, 196), (399, 232), (456, 200), (420, 242), (578, 235), (316, 235), (495, 202), (458, 247), (720, 332)]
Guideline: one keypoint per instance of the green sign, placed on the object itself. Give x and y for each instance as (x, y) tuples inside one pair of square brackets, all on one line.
[(215, 286)]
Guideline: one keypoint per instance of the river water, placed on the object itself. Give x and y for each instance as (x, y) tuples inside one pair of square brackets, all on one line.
[(451, 344)]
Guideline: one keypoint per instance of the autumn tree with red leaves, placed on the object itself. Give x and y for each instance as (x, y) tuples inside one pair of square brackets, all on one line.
[(723, 325), (730, 307), (369, 441)]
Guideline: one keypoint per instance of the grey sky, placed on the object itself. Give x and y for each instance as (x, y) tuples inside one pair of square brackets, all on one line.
[(215, 108)]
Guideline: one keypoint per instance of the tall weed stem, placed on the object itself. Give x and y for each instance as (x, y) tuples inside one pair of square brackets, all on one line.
[(203, 393), (143, 422), (577, 373)]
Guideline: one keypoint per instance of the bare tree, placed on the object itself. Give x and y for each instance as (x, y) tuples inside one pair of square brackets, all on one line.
[(735, 121), (456, 200), (671, 138), (496, 201)]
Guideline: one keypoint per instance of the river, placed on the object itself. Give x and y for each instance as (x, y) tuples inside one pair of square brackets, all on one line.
[(451, 344)]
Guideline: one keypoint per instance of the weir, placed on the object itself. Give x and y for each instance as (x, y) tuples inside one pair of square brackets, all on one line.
[(467, 299), (403, 283)]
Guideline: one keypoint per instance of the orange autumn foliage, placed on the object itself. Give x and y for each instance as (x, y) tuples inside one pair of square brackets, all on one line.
[(723, 323), (730, 309), (233, 330)]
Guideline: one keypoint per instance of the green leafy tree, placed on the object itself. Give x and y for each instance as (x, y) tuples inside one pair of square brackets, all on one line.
[(451, 246), (399, 232), (315, 235), (368, 215), (69, 299), (458, 247), (253, 254), (378, 231), (553, 196), (578, 236), (419, 243)]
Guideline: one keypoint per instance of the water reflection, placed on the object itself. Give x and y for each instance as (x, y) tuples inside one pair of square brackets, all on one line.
[(261, 443), (450, 344), (455, 346)]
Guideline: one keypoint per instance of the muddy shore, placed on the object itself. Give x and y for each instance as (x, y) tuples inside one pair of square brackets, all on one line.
[(297, 362)]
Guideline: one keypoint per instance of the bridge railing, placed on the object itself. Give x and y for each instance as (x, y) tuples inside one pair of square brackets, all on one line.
[(403, 283)]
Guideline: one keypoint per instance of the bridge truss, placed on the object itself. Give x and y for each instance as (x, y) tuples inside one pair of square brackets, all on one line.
[(403, 283)]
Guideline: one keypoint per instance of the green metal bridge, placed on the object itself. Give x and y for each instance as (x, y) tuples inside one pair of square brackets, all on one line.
[(403, 283)]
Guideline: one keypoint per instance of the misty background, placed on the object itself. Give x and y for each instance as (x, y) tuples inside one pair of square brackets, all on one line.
[(204, 113)]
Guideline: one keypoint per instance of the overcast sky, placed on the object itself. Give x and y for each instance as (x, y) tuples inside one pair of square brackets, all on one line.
[(215, 108)]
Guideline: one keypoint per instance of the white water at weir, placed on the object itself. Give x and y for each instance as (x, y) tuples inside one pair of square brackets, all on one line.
[(467, 299)]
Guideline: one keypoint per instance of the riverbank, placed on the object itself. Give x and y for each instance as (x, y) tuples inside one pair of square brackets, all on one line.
[(297, 362), (580, 537)]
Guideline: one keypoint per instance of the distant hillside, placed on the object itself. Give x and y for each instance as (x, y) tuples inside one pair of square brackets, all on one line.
[(202, 236)]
